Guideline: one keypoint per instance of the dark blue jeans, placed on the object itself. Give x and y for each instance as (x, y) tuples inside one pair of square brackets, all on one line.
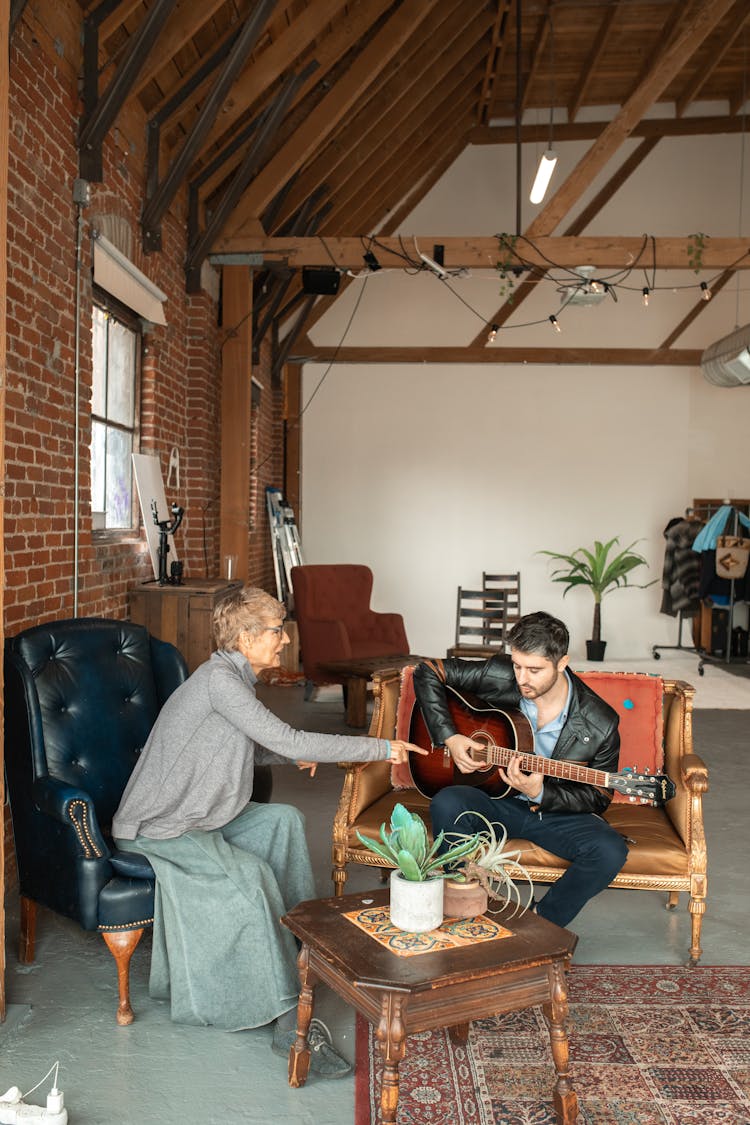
[(596, 852)]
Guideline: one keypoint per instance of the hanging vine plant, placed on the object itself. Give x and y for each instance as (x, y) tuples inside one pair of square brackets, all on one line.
[(695, 247), (507, 265)]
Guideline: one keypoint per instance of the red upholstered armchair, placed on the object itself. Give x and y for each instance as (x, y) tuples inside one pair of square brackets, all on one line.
[(335, 622)]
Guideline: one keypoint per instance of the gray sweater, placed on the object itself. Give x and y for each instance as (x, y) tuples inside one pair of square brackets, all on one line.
[(196, 769)]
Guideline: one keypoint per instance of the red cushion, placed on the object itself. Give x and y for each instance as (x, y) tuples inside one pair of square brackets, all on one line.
[(635, 696)]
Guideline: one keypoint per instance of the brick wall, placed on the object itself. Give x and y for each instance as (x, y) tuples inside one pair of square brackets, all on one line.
[(181, 363)]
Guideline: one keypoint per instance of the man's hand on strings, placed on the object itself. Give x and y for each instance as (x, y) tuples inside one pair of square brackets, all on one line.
[(459, 747), (530, 784)]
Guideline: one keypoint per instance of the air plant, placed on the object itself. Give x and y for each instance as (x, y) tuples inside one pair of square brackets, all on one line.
[(408, 848), (492, 866)]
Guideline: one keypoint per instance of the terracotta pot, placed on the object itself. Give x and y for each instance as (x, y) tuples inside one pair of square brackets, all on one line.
[(416, 907), (464, 900)]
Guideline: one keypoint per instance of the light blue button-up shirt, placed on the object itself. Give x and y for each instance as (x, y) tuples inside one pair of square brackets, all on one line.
[(545, 740)]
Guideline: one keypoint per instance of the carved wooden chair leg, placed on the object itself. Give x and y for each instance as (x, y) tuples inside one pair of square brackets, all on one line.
[(697, 908), (27, 933), (673, 897), (121, 944)]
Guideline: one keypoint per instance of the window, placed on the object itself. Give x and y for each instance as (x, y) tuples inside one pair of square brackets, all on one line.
[(116, 353)]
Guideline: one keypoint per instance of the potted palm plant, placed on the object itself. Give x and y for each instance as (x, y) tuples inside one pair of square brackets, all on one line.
[(417, 882), (602, 574)]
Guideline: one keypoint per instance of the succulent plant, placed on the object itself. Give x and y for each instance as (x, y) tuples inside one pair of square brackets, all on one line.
[(407, 847), (490, 864)]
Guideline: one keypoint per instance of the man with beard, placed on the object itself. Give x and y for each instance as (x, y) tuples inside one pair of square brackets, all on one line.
[(569, 721)]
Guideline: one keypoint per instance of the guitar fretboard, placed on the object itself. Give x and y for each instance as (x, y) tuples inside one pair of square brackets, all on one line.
[(551, 767)]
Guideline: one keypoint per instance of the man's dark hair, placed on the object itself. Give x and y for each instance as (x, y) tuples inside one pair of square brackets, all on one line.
[(542, 633)]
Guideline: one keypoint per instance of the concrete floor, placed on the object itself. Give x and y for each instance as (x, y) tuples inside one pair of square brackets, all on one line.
[(62, 1008)]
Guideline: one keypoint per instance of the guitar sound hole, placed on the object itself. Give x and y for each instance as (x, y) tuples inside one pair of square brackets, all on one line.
[(486, 740)]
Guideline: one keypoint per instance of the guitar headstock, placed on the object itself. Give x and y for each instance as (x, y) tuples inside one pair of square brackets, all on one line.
[(655, 788)]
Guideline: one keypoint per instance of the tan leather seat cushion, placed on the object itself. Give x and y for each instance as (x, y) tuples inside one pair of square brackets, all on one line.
[(657, 850)]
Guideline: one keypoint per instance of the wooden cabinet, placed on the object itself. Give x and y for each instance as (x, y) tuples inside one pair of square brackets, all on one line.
[(182, 615)]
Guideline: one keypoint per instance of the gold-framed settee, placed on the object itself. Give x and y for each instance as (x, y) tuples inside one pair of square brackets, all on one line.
[(667, 845)]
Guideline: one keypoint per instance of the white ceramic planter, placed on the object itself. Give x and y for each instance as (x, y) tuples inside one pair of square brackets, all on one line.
[(416, 907)]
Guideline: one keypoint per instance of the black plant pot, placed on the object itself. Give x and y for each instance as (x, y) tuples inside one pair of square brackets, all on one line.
[(595, 650)]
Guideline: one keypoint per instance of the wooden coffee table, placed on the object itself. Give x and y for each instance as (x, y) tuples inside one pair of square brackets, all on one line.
[(404, 995), (356, 675)]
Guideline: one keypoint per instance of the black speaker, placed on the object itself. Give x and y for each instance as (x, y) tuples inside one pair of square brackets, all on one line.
[(320, 280), (719, 622)]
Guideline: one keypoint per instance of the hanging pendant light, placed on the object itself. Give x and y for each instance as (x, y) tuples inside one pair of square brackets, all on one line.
[(549, 156)]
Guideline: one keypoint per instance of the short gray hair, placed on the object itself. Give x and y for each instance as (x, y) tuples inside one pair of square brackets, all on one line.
[(245, 611)]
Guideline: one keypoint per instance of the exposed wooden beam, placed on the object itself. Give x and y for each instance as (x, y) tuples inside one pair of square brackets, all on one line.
[(186, 19), (320, 123), (366, 139), (592, 62), (705, 69), (590, 130), (342, 39), (578, 226), (261, 73), (602, 251), (540, 42), (419, 128), (694, 26), (236, 368), (492, 62), (599, 357)]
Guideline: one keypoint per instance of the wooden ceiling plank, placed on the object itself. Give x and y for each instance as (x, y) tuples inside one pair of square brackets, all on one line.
[(615, 252), (700, 306), (328, 51), (430, 113), (384, 187), (301, 36), (492, 62), (599, 357), (589, 130), (578, 226), (592, 62), (319, 124), (703, 72), (187, 18), (115, 19), (694, 27), (540, 42), (367, 132)]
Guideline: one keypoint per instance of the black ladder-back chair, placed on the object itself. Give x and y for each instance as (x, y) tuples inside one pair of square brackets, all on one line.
[(484, 617)]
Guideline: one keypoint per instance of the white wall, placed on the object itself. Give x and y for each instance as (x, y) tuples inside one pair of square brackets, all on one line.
[(431, 474)]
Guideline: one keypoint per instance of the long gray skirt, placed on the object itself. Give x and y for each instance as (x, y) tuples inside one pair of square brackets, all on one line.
[(220, 954)]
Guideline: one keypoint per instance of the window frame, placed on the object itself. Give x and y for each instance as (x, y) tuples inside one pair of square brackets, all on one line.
[(115, 309)]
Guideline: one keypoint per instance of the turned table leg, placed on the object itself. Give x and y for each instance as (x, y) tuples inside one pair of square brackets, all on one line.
[(556, 1015), (299, 1052), (391, 1035)]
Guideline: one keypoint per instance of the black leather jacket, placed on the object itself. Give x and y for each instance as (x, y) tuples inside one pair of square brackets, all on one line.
[(589, 735)]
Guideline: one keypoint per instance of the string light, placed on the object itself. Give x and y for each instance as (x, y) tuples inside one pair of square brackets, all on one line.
[(645, 292), (492, 334), (705, 291), (555, 323)]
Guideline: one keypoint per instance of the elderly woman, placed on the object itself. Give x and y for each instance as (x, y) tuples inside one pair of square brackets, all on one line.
[(227, 868)]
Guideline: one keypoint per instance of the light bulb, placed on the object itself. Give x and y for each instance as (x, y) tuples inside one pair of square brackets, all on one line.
[(492, 334), (543, 176), (555, 323), (705, 291), (645, 292)]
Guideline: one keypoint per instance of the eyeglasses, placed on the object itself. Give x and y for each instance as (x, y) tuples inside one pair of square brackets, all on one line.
[(277, 629)]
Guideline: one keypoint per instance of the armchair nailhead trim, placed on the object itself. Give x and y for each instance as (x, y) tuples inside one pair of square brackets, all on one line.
[(125, 926), (78, 813)]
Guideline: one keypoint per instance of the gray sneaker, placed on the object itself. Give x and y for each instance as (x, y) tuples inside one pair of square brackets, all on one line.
[(324, 1060)]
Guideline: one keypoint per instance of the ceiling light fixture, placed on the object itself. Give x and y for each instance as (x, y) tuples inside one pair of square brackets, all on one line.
[(549, 156)]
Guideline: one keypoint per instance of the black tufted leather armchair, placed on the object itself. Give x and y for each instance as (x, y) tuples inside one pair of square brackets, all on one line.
[(80, 699)]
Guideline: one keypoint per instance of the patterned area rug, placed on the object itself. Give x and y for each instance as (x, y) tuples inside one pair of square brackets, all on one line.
[(654, 1045)]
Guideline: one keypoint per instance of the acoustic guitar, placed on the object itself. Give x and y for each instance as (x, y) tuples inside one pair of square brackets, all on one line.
[(505, 735)]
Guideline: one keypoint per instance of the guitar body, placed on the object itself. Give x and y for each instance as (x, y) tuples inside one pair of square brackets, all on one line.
[(480, 722)]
